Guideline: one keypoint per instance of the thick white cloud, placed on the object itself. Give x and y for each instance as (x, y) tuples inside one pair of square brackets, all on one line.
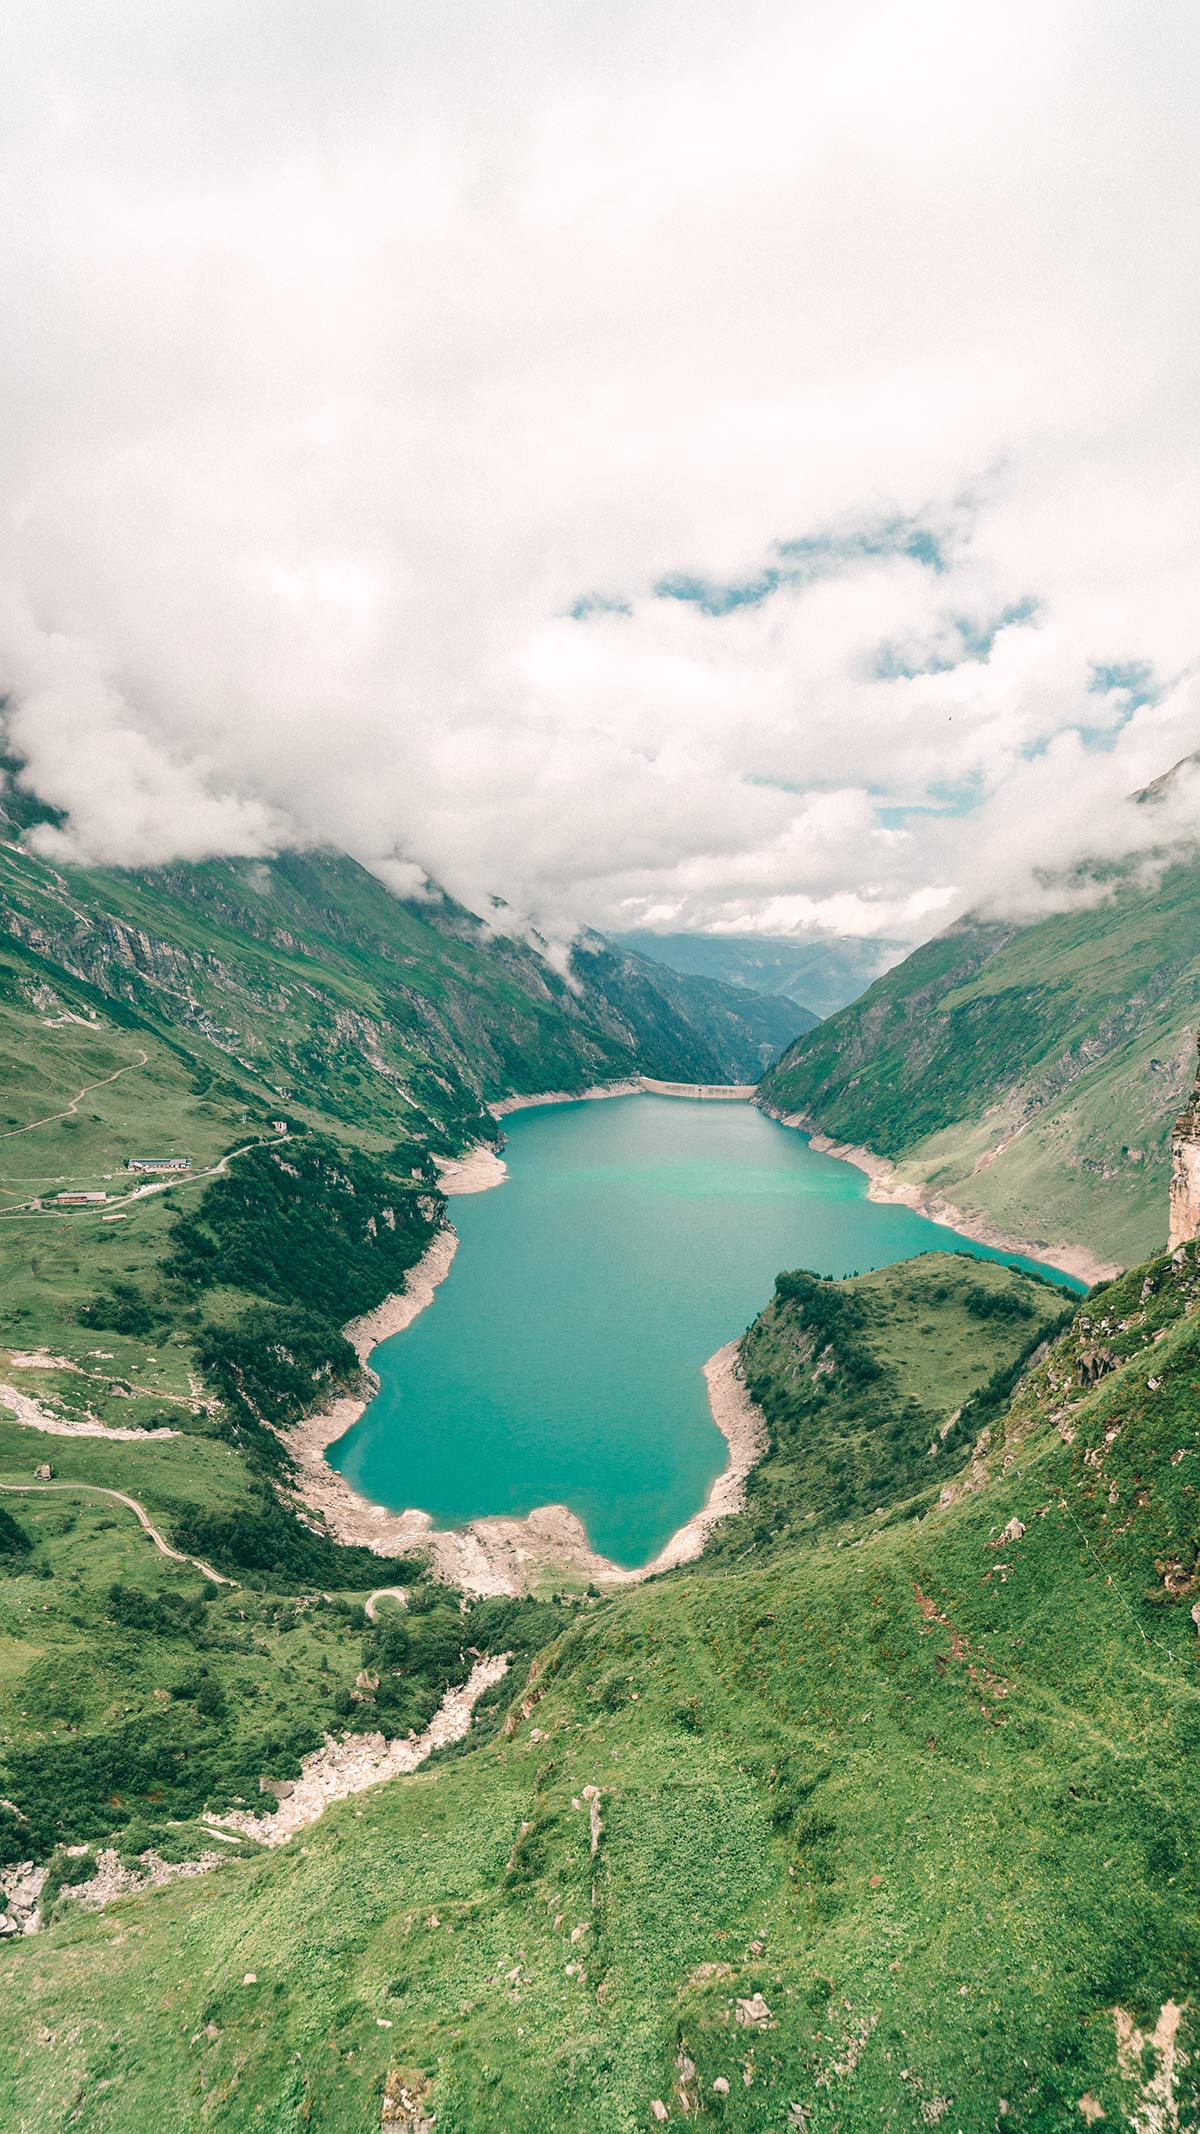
[(366, 370)]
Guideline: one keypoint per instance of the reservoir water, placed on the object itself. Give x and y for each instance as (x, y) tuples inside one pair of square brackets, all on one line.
[(561, 1360)]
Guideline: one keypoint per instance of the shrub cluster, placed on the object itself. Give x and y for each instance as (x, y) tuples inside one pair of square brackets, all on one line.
[(314, 1218), (262, 1541)]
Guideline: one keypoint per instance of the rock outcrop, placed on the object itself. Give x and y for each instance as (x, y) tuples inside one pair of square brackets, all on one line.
[(1185, 1173)]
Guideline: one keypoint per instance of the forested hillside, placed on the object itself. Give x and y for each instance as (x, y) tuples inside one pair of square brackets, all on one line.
[(304, 975), (195, 1012), (1027, 1074), (305, 1043)]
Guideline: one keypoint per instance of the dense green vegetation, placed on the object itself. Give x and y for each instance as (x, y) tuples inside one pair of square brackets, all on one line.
[(135, 1694), (315, 1216), (924, 1786), (875, 1387), (322, 1231), (184, 1013), (1030, 1074)]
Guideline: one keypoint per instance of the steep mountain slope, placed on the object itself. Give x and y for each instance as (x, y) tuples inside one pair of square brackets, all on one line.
[(894, 1827), (740, 1027), (882, 1815), (304, 973), (876, 1387), (1028, 1074), (819, 976)]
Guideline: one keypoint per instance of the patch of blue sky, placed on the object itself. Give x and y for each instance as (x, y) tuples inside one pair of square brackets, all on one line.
[(807, 559), (896, 536), (590, 604), (803, 562), (949, 798), (1135, 678), (957, 796), (713, 598), (1098, 740), (967, 638), (1127, 685), (945, 798)]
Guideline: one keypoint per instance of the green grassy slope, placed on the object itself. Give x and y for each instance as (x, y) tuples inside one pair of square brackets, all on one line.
[(1029, 1075), (182, 1014), (134, 1692), (876, 1387), (925, 1787), (305, 974)]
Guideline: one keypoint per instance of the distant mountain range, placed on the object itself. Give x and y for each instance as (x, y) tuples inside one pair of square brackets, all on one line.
[(818, 975)]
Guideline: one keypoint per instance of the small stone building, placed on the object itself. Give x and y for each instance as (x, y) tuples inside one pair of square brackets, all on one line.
[(1185, 1172)]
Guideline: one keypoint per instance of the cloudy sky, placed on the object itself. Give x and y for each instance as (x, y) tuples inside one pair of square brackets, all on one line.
[(661, 463)]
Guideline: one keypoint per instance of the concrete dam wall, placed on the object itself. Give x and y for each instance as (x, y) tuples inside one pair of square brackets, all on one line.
[(716, 1092)]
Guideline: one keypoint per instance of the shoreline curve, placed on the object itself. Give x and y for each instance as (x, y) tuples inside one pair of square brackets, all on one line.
[(889, 1190), (503, 1555)]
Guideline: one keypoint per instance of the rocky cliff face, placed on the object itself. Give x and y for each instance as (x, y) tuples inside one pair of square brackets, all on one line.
[(1185, 1172)]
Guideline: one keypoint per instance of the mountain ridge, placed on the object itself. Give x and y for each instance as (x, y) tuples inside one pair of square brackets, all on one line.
[(1028, 1074)]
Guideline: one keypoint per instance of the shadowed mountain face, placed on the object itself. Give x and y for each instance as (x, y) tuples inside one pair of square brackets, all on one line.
[(817, 976), (305, 974), (1028, 1073)]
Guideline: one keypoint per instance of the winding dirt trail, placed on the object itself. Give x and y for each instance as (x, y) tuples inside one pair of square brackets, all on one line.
[(396, 1593), (96, 1489), (74, 1105)]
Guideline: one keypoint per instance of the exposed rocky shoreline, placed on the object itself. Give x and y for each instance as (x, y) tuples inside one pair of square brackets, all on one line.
[(509, 1555), (339, 1768), (504, 1555), (348, 1516), (886, 1187), (476, 1172), (342, 1767), (627, 1088), (23, 1408)]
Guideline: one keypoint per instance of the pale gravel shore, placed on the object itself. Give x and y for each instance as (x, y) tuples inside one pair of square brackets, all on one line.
[(504, 1555), (334, 1772), (885, 1187), (477, 1171), (628, 1088), (512, 1556), (31, 1412), (348, 1516)]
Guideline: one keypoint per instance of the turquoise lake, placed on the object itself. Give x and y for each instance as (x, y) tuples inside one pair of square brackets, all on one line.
[(561, 1360)]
